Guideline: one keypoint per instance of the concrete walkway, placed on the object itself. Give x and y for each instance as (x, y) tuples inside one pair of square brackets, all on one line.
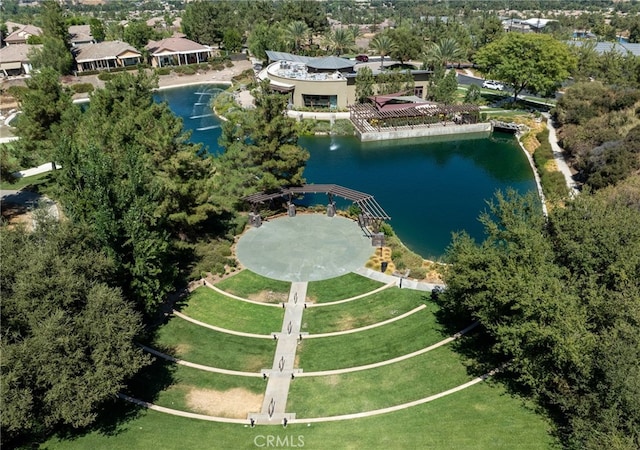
[(282, 372), (558, 156), (406, 283)]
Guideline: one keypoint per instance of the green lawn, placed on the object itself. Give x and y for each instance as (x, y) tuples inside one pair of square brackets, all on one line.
[(418, 377), (374, 308), (209, 306), (378, 344), (201, 345), (481, 417), (34, 180), (247, 284), (181, 381), (339, 288)]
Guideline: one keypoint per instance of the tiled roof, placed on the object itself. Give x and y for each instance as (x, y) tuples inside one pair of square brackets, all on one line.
[(16, 52), (175, 45), (22, 34), (103, 50), (80, 33)]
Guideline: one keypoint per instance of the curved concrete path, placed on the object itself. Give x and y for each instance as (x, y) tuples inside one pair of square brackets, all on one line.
[(294, 420), (220, 291), (558, 156), (357, 297), (198, 366), (389, 361), (221, 330), (368, 327)]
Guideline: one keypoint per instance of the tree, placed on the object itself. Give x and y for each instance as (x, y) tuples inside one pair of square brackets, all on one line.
[(46, 108), (262, 152), (295, 34), (129, 174), (232, 40), (446, 88), (53, 23), (444, 52), (531, 61), (265, 37), (97, 29), (557, 300), (407, 45), (67, 340), (383, 45), (364, 84), (473, 95), (139, 34), (205, 22), (340, 41), (54, 54)]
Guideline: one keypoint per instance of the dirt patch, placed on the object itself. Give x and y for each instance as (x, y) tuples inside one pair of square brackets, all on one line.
[(182, 349), (15, 215), (234, 403), (346, 323), (269, 297), (332, 380), (255, 363)]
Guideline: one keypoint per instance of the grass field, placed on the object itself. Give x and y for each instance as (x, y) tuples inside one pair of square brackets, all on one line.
[(481, 417), (418, 377), (412, 333), (340, 288), (248, 284), (209, 306), (201, 345), (368, 310)]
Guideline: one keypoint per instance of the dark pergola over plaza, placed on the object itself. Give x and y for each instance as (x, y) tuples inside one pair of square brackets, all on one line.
[(367, 118), (372, 212)]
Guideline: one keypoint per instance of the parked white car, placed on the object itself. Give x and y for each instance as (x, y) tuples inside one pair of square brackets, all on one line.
[(492, 84)]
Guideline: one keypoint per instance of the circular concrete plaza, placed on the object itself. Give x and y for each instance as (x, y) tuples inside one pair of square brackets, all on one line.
[(307, 247)]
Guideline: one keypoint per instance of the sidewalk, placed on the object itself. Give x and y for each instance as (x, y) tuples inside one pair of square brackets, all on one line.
[(558, 156), (282, 372)]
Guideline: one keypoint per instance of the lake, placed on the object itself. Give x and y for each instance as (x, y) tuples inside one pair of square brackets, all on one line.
[(430, 187)]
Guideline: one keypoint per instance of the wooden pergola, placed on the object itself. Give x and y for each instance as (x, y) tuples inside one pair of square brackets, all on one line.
[(371, 212), (367, 118)]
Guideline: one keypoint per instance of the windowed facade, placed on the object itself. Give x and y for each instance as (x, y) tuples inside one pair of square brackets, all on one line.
[(320, 101)]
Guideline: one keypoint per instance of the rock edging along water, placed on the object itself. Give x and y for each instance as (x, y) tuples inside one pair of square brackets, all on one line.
[(422, 131)]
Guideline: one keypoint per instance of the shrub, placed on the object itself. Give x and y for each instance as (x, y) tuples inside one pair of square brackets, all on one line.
[(81, 88), (163, 70), (105, 76)]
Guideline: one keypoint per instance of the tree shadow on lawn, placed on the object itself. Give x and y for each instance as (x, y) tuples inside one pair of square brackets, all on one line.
[(114, 416)]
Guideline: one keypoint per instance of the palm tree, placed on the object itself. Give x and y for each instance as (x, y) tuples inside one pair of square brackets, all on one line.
[(296, 33), (443, 52), (339, 41), (383, 45), (355, 31)]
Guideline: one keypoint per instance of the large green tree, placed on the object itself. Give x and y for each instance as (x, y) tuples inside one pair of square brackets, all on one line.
[(129, 174), (67, 336), (262, 151), (46, 111), (559, 302), (536, 62)]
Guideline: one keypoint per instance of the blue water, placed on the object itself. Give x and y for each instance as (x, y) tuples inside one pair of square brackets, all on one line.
[(429, 187)]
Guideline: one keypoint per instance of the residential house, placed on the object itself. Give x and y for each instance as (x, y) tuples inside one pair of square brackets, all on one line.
[(14, 59), (106, 55), (175, 51), (80, 34), (19, 34)]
